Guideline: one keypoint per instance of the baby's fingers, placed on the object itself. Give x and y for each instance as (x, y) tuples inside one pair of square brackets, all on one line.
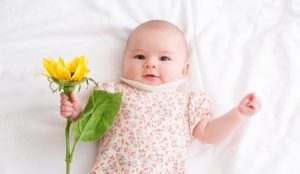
[(255, 104), (247, 99), (66, 103), (250, 104), (63, 96), (257, 101), (66, 111), (257, 107), (65, 114), (253, 107)]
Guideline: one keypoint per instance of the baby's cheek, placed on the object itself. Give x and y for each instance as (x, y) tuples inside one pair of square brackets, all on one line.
[(174, 74), (129, 75), (128, 67), (129, 72)]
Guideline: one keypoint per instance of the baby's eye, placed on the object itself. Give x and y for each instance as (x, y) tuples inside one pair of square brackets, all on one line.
[(164, 58), (140, 57)]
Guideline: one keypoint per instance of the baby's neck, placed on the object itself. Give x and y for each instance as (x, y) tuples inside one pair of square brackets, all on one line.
[(171, 86)]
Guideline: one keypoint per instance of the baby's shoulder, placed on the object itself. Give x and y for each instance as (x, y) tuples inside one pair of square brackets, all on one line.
[(112, 86), (192, 94), (200, 98), (107, 86), (198, 93)]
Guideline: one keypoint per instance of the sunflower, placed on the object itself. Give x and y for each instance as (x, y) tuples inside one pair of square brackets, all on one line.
[(73, 71), (67, 74)]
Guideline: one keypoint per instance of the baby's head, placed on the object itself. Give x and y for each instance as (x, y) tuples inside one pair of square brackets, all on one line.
[(156, 53)]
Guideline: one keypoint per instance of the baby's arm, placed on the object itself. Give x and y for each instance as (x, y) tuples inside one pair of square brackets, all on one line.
[(215, 130), (68, 108)]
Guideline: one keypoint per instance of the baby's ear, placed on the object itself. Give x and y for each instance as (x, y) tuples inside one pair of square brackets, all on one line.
[(185, 69)]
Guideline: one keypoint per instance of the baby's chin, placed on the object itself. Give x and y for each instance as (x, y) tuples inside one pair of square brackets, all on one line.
[(151, 82), (155, 82)]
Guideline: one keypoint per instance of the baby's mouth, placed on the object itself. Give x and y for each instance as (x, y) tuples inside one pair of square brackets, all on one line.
[(150, 76)]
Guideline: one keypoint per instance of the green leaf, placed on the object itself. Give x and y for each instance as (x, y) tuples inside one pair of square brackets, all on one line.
[(98, 115)]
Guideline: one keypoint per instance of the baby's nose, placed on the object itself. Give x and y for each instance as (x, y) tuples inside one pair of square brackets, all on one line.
[(150, 64)]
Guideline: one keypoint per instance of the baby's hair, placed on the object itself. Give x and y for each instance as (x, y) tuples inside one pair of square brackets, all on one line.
[(156, 24)]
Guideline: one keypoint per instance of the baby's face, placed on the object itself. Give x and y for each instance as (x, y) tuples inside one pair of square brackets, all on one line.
[(155, 55)]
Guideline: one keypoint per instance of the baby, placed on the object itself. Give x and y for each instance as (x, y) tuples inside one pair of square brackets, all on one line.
[(156, 122)]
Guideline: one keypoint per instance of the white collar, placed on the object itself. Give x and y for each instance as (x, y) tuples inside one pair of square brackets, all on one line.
[(172, 86)]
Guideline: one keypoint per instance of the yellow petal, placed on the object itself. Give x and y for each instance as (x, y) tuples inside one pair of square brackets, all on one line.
[(50, 66), (80, 73), (83, 60), (59, 71), (63, 72), (61, 61), (76, 70), (66, 74), (76, 76), (47, 65), (53, 69), (73, 65)]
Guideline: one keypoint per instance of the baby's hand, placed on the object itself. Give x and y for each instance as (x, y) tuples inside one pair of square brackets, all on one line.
[(250, 105), (68, 108)]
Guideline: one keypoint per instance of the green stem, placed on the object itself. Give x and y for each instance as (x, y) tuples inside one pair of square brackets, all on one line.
[(68, 158), (73, 149), (69, 155)]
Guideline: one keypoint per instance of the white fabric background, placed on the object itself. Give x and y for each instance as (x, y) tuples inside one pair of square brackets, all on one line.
[(236, 47)]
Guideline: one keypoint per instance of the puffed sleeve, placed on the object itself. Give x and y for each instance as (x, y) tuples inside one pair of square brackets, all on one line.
[(199, 108), (107, 86)]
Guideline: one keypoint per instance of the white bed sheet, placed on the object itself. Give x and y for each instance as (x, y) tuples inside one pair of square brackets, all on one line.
[(236, 47)]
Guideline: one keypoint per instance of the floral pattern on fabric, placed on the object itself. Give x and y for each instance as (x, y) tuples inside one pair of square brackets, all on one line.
[(151, 132), (199, 108)]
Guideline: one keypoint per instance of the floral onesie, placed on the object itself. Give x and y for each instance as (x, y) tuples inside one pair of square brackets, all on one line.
[(151, 132)]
